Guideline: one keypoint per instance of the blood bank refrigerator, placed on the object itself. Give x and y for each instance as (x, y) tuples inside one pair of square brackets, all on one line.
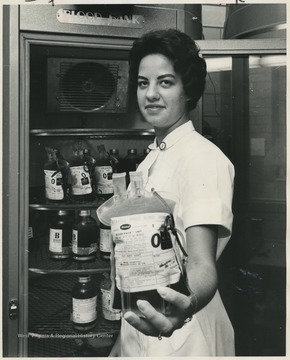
[(66, 87)]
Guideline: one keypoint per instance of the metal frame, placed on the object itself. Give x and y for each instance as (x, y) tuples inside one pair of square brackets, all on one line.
[(242, 46), (12, 278), (16, 150)]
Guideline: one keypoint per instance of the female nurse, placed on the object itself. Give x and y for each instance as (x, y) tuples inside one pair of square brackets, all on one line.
[(168, 76)]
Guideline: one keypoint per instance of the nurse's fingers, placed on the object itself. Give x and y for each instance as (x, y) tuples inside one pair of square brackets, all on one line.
[(180, 301), (154, 322)]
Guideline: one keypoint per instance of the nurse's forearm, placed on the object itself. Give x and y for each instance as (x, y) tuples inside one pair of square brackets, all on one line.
[(203, 282), (201, 266)]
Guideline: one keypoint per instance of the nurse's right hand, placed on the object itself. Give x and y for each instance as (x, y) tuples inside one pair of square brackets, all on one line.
[(157, 324)]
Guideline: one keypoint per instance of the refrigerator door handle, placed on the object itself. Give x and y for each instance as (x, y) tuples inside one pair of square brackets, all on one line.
[(13, 309)]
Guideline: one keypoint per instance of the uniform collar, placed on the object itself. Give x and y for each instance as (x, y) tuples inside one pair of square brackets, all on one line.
[(173, 137)]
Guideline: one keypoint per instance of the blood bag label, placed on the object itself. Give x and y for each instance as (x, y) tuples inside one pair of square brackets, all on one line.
[(141, 256), (104, 179), (55, 240), (81, 181), (84, 310), (53, 185)]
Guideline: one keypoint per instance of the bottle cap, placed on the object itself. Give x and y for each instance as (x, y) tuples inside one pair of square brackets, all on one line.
[(84, 278), (84, 212), (62, 212), (132, 151), (114, 151)]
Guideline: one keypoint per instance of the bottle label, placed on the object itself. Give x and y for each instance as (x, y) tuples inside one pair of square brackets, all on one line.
[(105, 240), (84, 310), (143, 259), (55, 240), (108, 312), (53, 185), (82, 250), (104, 179), (81, 181)]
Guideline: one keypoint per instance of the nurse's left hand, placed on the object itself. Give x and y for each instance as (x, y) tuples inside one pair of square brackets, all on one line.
[(157, 324)]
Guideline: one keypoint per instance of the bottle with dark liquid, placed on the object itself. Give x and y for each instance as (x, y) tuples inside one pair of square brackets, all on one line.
[(115, 160), (90, 164), (81, 184), (106, 243), (60, 235), (84, 304), (103, 174), (54, 191), (130, 163), (129, 299), (85, 237), (107, 309)]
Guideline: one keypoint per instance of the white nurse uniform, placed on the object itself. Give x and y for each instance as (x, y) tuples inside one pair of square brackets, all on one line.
[(200, 177)]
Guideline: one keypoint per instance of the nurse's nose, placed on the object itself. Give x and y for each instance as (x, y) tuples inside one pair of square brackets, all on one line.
[(152, 93)]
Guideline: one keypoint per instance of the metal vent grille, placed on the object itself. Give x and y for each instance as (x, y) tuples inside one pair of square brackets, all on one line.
[(87, 86)]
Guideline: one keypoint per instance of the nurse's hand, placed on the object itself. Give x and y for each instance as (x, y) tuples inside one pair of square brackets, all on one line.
[(157, 324)]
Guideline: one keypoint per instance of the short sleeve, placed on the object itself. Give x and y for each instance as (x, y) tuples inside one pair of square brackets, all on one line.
[(206, 188)]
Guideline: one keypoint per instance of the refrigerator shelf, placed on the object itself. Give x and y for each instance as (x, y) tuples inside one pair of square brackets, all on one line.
[(41, 263), (62, 329), (64, 348), (95, 133), (84, 206), (37, 201)]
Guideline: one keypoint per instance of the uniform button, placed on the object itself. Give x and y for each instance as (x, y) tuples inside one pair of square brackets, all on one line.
[(162, 146)]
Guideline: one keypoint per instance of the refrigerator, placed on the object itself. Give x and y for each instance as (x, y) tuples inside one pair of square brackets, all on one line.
[(66, 86)]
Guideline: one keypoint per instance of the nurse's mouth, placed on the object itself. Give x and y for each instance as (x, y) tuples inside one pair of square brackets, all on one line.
[(154, 107)]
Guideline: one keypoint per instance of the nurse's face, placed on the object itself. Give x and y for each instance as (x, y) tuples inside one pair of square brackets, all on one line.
[(160, 93)]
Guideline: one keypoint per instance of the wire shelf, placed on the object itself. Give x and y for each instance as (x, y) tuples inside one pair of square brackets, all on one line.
[(50, 330), (41, 263)]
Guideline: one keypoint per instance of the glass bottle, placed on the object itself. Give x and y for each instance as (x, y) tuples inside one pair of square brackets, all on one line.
[(53, 178), (107, 309), (106, 244), (84, 304), (116, 161), (103, 174), (85, 237), (81, 184), (63, 166), (60, 235), (89, 162), (130, 163)]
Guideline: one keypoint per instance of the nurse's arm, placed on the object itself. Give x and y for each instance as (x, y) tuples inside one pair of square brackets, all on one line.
[(202, 280)]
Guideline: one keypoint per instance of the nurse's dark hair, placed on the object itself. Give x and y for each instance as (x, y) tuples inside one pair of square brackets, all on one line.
[(181, 50)]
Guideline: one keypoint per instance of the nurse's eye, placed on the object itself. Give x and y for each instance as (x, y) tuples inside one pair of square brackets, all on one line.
[(142, 84), (166, 83)]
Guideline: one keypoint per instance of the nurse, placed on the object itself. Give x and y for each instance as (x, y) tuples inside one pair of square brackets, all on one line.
[(168, 76)]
